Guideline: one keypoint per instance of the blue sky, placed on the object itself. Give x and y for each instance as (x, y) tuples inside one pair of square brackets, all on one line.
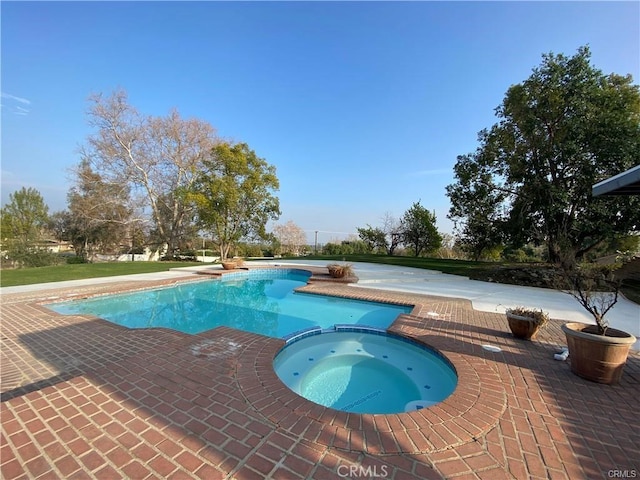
[(361, 106)]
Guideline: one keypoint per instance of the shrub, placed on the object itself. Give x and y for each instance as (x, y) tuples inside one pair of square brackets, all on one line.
[(75, 260), (34, 258)]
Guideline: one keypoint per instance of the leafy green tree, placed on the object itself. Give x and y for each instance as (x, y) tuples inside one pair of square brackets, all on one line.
[(234, 195), (356, 246), (345, 247), (24, 219), (375, 238), (419, 231), (386, 238), (617, 246), (560, 131), (477, 200)]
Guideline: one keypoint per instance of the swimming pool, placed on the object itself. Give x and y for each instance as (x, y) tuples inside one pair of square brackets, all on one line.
[(364, 371), (259, 301)]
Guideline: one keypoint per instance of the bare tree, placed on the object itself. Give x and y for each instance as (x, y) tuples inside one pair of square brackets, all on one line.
[(157, 157), (595, 287), (392, 227), (291, 237)]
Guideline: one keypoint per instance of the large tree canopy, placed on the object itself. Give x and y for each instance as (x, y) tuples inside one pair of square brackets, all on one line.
[(24, 218), (374, 237), (234, 195), (562, 130)]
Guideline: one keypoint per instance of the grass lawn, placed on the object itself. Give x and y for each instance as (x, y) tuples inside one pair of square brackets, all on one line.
[(59, 273), (468, 268)]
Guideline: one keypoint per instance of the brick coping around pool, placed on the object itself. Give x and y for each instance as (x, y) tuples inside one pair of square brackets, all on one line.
[(84, 398), (472, 410)]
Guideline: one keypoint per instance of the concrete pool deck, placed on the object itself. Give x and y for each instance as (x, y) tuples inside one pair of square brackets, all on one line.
[(83, 398)]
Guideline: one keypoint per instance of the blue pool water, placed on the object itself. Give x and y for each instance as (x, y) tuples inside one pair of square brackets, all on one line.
[(261, 301), (365, 372)]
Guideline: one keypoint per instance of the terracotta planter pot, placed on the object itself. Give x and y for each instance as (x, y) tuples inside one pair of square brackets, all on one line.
[(229, 265), (599, 358), (523, 327)]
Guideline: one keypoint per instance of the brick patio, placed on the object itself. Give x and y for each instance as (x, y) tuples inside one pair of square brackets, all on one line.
[(84, 398)]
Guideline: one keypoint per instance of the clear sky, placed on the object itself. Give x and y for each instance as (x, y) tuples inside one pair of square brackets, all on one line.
[(361, 106)]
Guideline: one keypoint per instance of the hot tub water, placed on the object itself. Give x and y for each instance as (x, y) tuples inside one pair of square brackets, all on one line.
[(365, 372)]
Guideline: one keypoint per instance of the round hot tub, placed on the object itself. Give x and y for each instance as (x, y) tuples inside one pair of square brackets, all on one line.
[(365, 371)]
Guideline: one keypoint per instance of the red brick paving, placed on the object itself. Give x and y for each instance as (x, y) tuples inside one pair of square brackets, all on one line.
[(83, 398)]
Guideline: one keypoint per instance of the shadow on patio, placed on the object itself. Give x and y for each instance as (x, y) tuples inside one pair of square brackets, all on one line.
[(105, 401), (585, 427), (133, 403)]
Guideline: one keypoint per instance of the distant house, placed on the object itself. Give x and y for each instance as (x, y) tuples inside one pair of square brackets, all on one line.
[(54, 246)]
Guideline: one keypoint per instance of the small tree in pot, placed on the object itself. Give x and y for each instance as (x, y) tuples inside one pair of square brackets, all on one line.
[(597, 352)]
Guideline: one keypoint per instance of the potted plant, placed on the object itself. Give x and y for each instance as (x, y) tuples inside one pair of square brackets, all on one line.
[(596, 352), (229, 264), (340, 271), (525, 322)]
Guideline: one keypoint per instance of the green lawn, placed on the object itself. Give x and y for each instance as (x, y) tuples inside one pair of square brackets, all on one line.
[(59, 273), (467, 268)]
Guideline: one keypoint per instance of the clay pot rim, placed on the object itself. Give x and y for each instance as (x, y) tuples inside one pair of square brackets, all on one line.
[(620, 337), (522, 317)]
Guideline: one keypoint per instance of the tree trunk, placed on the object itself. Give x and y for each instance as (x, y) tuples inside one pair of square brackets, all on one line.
[(562, 255), (224, 251)]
